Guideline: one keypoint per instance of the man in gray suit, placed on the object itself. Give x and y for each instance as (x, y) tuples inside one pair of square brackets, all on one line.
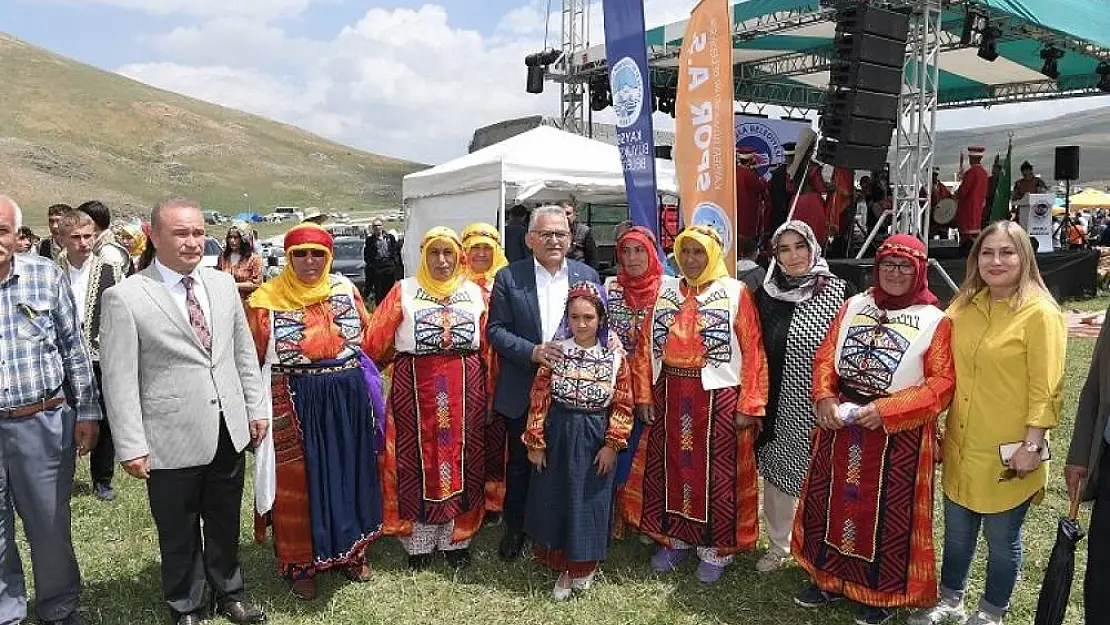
[(184, 395)]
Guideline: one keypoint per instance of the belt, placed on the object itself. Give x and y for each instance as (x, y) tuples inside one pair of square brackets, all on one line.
[(31, 409), (353, 363), (680, 372)]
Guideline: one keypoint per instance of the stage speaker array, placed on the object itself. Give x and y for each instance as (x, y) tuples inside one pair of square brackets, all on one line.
[(1067, 162), (861, 110)]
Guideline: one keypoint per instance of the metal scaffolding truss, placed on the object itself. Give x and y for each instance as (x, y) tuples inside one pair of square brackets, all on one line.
[(572, 92)]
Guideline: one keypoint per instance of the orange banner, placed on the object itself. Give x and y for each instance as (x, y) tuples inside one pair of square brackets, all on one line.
[(705, 155)]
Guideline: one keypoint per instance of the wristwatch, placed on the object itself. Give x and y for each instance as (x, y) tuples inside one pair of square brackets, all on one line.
[(1033, 447)]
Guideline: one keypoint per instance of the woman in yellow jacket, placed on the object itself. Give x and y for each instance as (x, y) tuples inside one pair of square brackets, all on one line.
[(1008, 342)]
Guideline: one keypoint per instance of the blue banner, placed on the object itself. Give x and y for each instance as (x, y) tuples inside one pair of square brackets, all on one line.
[(630, 84)]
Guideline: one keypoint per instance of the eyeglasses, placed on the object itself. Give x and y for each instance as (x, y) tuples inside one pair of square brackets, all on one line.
[(557, 235), (905, 270), (305, 253)]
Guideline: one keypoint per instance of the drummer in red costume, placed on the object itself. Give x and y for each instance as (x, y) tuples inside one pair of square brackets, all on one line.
[(940, 192), (972, 197), (752, 198)]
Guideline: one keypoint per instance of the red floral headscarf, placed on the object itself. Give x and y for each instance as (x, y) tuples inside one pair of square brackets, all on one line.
[(640, 291), (913, 250)]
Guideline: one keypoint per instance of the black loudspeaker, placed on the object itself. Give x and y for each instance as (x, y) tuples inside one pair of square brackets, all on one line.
[(1067, 162), (861, 109), (664, 152), (535, 79)]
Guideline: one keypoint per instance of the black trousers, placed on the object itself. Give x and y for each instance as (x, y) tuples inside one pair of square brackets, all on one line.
[(517, 472), (1096, 584), (381, 279), (102, 458), (198, 558)]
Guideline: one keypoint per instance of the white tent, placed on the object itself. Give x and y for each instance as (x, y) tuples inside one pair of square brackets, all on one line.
[(542, 165)]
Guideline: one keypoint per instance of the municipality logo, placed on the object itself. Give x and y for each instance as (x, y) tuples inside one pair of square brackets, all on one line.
[(627, 85), (712, 215), (768, 148)]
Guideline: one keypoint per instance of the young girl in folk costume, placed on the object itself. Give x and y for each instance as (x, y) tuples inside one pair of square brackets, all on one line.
[(864, 525), (693, 481), (579, 420), (484, 258), (432, 329), (631, 294)]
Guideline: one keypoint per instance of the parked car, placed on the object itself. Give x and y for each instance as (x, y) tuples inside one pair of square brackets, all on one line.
[(348, 260), (212, 251)]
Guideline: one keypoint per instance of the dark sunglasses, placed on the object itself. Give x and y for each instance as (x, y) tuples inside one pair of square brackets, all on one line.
[(306, 253)]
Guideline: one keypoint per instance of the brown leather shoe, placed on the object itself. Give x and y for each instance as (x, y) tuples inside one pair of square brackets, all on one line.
[(242, 613), (358, 573), (304, 589)]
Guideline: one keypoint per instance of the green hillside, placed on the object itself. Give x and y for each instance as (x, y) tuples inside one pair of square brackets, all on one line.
[(70, 132)]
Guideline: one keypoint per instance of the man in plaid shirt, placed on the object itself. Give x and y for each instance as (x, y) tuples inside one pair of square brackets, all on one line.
[(43, 361)]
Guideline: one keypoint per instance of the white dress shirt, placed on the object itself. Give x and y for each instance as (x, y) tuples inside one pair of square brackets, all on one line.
[(79, 285), (172, 279), (552, 293)]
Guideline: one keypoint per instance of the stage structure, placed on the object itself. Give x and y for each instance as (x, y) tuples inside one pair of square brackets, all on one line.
[(960, 53)]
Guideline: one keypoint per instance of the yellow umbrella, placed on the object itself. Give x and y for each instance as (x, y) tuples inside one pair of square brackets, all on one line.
[(1090, 199)]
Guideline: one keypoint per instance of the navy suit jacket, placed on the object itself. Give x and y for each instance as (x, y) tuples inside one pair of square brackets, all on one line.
[(514, 330)]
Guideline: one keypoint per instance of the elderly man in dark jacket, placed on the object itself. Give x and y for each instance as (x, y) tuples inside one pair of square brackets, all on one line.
[(1088, 467)]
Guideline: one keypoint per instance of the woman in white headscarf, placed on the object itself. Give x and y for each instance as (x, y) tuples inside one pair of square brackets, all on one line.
[(797, 303)]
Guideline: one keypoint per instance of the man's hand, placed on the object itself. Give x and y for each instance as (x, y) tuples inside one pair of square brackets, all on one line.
[(547, 354), (139, 468), (258, 431), (827, 418), (645, 413), (538, 458), (1074, 476), (85, 435), (605, 460), (868, 417)]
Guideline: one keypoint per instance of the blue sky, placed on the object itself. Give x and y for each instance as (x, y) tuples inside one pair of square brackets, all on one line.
[(405, 78)]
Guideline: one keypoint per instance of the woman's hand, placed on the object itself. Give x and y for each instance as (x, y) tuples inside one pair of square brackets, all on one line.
[(538, 458), (1024, 461), (645, 413), (605, 460), (868, 417), (745, 422), (827, 418)]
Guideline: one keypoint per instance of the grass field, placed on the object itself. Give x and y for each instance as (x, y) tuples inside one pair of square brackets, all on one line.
[(117, 548)]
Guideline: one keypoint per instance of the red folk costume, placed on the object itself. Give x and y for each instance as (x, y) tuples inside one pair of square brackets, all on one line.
[(496, 449), (864, 524), (326, 417), (752, 196), (433, 467), (971, 196), (693, 480)]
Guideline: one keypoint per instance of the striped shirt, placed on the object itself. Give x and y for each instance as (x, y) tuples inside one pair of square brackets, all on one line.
[(41, 349)]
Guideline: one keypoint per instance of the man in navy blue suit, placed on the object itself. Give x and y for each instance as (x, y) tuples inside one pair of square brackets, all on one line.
[(528, 300)]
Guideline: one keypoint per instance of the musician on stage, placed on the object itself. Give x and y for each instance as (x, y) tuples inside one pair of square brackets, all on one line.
[(971, 197), (752, 198), (940, 192), (1028, 183)]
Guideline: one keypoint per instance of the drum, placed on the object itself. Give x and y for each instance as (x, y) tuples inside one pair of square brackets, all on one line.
[(945, 211)]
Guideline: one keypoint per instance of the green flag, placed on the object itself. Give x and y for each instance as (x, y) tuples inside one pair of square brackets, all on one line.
[(1001, 208)]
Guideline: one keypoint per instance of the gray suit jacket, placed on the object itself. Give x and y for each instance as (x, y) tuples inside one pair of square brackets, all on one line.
[(1090, 417), (163, 391)]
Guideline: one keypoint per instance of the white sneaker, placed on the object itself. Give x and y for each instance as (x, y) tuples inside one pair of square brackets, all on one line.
[(945, 610), (984, 618), (773, 560), (562, 589), (582, 583)]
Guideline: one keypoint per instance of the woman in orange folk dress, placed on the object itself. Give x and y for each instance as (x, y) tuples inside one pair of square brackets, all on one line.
[(431, 328), (316, 473), (240, 259), (693, 481), (864, 525), (484, 258)]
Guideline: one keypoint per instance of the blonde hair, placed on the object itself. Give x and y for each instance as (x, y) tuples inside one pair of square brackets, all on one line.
[(1030, 283)]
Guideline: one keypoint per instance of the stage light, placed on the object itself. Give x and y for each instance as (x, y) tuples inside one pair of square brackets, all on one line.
[(1051, 56), (1103, 72), (974, 24), (988, 47), (537, 64)]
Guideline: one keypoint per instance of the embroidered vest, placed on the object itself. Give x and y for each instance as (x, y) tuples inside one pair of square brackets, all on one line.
[(432, 326), (584, 379), (717, 308), (624, 321), (288, 326), (881, 357)]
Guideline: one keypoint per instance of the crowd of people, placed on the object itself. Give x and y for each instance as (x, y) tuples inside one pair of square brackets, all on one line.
[(529, 390)]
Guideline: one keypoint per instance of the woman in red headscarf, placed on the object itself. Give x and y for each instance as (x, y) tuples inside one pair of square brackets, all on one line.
[(317, 475), (631, 294), (864, 525)]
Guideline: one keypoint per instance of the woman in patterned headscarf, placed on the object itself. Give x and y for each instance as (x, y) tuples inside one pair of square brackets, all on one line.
[(310, 328), (693, 481), (797, 303), (431, 328), (484, 258), (580, 417), (864, 525)]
